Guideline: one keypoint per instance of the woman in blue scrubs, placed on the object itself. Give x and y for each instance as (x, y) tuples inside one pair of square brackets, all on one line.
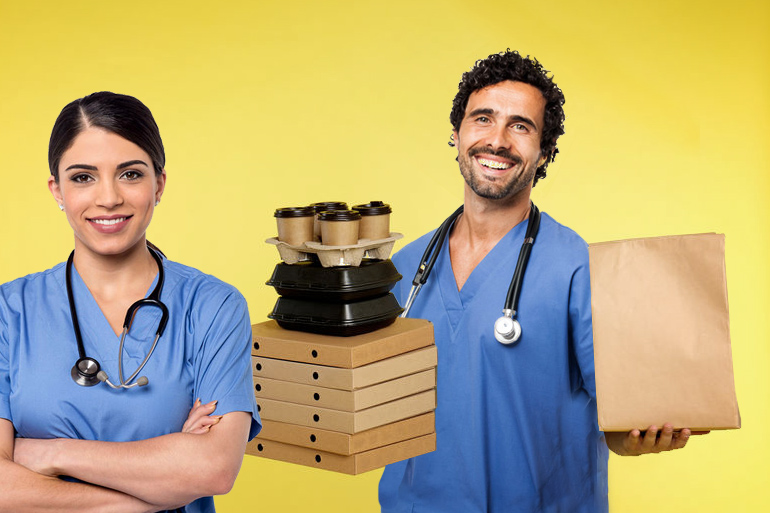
[(69, 447)]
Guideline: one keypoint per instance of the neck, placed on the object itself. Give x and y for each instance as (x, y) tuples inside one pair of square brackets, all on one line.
[(113, 275), (487, 221)]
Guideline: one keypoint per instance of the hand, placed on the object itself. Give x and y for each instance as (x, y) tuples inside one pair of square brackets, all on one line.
[(634, 444), (200, 420), (35, 454)]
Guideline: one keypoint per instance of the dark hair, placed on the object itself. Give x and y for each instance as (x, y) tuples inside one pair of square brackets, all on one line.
[(509, 65), (117, 113)]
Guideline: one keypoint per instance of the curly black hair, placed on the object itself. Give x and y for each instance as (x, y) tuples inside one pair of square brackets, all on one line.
[(509, 65)]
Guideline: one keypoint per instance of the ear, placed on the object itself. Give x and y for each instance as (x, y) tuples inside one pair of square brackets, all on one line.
[(160, 185), (455, 139), (53, 186), (542, 160)]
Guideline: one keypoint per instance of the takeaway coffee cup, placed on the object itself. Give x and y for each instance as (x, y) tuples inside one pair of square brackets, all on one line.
[(375, 220), (322, 206), (295, 224), (339, 227)]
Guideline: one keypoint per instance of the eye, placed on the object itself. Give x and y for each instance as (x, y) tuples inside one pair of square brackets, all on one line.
[(81, 178), (132, 175), (482, 119), (520, 127)]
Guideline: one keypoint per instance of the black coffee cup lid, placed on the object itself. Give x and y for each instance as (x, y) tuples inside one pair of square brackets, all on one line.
[(339, 215), (373, 208), (329, 205), (294, 212)]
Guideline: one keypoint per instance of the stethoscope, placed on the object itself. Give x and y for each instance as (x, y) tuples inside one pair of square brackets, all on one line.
[(507, 328), (87, 371)]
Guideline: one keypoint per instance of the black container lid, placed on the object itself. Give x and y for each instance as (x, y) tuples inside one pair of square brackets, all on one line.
[(294, 212), (339, 215), (373, 208), (329, 205), (306, 280), (336, 319)]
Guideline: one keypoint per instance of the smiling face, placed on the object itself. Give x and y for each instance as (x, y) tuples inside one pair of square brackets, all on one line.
[(498, 142), (108, 189)]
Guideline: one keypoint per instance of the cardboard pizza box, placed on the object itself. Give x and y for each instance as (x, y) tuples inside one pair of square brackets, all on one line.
[(403, 336), (346, 400), (346, 379), (344, 443), (353, 464), (348, 422)]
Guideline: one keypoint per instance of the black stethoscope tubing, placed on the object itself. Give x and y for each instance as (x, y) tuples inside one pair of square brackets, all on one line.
[(87, 371), (507, 328)]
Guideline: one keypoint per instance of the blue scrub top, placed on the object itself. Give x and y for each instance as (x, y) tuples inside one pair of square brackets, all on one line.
[(516, 425), (205, 352)]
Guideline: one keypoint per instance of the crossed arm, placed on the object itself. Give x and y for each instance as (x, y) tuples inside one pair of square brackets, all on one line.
[(149, 475)]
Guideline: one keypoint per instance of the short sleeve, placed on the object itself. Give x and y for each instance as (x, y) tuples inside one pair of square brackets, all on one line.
[(5, 378), (581, 327), (223, 360)]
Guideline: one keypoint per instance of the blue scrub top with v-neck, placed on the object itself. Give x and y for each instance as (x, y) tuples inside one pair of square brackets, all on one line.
[(516, 425), (205, 352)]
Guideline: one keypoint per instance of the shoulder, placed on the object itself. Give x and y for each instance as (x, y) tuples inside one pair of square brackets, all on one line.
[(195, 286), (410, 255), (560, 240), (14, 293)]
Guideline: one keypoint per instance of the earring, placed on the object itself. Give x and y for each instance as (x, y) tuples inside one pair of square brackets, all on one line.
[(157, 202), (61, 207), (451, 140)]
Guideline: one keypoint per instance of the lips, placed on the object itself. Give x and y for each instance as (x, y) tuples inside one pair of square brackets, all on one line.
[(494, 164), (499, 160), (109, 224)]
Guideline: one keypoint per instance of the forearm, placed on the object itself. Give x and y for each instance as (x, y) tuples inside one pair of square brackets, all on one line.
[(25, 491), (171, 469)]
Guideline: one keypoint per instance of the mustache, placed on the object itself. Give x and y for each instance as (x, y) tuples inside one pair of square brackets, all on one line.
[(500, 152)]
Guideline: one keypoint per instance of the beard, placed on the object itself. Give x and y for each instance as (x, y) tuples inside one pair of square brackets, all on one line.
[(493, 187)]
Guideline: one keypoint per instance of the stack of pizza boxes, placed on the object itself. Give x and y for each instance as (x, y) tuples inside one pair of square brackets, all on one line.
[(341, 381)]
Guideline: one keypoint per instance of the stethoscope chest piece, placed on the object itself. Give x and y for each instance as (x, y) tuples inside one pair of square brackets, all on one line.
[(507, 330), (84, 372)]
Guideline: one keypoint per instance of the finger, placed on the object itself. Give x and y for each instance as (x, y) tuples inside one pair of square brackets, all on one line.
[(632, 441), (650, 437), (197, 412), (666, 436), (680, 440)]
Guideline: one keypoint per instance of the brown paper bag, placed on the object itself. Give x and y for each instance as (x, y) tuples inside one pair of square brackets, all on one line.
[(662, 333)]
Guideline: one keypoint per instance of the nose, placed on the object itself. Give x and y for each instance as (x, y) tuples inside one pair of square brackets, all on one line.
[(498, 137), (109, 194)]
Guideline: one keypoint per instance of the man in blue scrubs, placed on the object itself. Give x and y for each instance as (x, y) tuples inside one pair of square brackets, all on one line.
[(516, 424)]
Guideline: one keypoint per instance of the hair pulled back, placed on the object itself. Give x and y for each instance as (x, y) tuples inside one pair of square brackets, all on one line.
[(117, 113)]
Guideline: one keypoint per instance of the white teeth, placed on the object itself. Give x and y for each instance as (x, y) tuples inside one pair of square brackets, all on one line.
[(493, 164), (109, 222)]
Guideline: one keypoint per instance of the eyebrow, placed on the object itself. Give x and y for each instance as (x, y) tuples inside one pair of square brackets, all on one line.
[(132, 163), (120, 166), (515, 118)]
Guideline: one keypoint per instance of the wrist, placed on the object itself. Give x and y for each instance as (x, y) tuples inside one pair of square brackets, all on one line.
[(54, 459)]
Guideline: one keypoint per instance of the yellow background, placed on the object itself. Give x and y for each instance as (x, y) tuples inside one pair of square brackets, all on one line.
[(270, 104)]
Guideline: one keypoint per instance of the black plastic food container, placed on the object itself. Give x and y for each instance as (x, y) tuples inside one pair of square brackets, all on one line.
[(311, 281), (336, 319)]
